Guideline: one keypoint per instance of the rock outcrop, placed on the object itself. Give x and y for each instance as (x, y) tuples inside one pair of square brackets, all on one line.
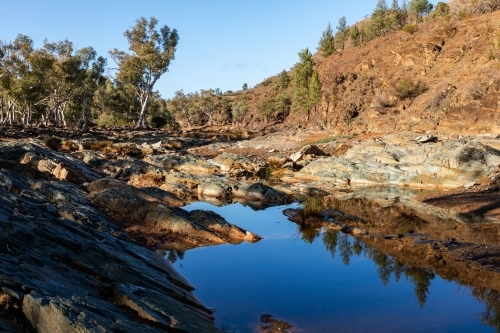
[(399, 160), (67, 268)]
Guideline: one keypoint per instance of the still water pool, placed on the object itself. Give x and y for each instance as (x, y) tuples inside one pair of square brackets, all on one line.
[(323, 282)]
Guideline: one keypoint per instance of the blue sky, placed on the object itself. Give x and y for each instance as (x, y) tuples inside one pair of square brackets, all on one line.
[(223, 43)]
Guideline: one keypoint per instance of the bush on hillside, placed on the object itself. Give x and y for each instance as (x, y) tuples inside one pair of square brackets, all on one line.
[(407, 88), (410, 28), (442, 9), (382, 99)]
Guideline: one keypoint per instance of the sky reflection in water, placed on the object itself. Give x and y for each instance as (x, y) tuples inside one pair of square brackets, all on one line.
[(324, 282)]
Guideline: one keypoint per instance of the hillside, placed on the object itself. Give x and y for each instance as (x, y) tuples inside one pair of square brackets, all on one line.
[(445, 76)]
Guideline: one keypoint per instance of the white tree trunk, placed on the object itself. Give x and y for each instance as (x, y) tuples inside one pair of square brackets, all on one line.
[(141, 123), (61, 114), (85, 127), (10, 113)]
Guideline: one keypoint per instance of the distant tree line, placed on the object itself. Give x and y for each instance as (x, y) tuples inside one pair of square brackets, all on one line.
[(58, 84), (384, 20)]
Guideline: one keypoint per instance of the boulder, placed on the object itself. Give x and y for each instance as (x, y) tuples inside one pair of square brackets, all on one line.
[(60, 165), (307, 150), (236, 165)]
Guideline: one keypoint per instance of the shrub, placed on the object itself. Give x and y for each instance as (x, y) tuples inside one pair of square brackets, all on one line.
[(462, 13), (275, 166), (122, 149), (442, 9), (174, 144), (410, 28), (275, 163), (382, 99), (158, 121), (312, 207), (109, 120), (407, 88), (238, 135)]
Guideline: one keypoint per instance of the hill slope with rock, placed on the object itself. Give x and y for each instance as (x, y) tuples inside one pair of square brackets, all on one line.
[(445, 77)]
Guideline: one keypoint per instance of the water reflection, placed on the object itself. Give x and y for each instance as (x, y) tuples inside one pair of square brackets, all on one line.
[(346, 246), (289, 250)]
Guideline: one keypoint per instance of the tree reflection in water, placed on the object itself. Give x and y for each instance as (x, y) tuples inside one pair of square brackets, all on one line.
[(386, 265), (173, 255), (491, 299), (308, 233)]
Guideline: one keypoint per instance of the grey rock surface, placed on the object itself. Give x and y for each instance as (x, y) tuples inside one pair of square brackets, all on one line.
[(399, 160), (65, 266)]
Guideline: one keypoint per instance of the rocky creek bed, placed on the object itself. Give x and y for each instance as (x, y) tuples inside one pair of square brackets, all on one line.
[(84, 214)]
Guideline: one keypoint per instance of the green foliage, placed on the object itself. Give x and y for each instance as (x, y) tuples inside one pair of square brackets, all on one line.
[(302, 74), (283, 80), (266, 108), (239, 108), (244, 87), (342, 32), (282, 104), (312, 206), (355, 35), (410, 28), (420, 7), (442, 9), (152, 52), (407, 88), (327, 42), (314, 89), (381, 6), (379, 20)]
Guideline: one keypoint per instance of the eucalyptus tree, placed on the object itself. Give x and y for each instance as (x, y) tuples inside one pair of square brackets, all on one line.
[(239, 108), (20, 84), (182, 105), (210, 102), (115, 103), (152, 51), (59, 69), (91, 70)]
